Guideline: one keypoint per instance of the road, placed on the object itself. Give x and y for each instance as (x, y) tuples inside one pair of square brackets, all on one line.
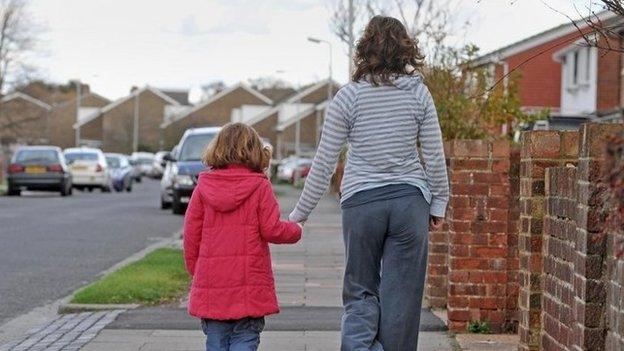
[(50, 246)]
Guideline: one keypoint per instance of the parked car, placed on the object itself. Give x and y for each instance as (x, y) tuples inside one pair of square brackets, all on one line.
[(185, 166), (158, 168), (145, 161), (121, 172), (136, 169), (39, 168), (293, 168), (166, 182), (88, 168)]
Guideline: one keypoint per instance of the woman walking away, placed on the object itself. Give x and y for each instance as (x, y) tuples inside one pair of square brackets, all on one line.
[(231, 218), (389, 199)]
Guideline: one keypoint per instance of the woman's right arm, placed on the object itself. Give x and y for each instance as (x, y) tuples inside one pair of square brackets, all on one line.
[(333, 138)]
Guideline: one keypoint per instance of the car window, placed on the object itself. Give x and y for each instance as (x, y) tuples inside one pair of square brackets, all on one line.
[(113, 161), (82, 156), (123, 162), (37, 156), (194, 146)]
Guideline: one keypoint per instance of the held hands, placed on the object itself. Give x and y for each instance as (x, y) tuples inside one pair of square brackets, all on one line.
[(435, 223)]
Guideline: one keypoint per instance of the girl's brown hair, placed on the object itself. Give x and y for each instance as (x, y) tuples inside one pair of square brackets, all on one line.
[(237, 144), (384, 51)]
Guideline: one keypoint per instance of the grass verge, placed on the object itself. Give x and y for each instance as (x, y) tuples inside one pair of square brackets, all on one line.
[(157, 278)]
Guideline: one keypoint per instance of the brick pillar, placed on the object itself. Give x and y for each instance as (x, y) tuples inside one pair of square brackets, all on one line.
[(540, 150), (559, 243), (437, 266), (615, 270), (589, 264), (478, 224), (513, 227)]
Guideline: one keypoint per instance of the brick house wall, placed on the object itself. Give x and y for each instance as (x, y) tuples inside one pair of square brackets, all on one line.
[(118, 123), (609, 76), (539, 82), (266, 128), (540, 73), (216, 113), (63, 117), (22, 121), (308, 134)]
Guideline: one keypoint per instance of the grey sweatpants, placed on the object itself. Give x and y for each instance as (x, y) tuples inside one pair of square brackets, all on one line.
[(386, 246)]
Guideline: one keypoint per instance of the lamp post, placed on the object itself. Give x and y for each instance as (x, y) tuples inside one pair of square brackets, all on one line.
[(329, 81), (78, 98)]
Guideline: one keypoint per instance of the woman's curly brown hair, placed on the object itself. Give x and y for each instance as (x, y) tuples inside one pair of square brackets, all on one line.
[(385, 51)]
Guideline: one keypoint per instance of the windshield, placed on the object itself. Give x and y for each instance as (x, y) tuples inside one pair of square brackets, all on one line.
[(113, 161), (145, 160), (194, 147), (82, 156), (37, 156)]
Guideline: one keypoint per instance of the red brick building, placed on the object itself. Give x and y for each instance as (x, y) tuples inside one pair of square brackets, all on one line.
[(558, 71)]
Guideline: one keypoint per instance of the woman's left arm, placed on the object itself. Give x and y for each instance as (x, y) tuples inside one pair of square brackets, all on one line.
[(432, 148), (333, 137)]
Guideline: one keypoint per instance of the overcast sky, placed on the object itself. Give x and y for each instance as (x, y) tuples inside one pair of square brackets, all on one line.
[(114, 44)]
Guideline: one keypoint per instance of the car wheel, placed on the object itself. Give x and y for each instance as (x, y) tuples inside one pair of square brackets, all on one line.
[(138, 179), (177, 207), (164, 204), (90, 189), (11, 191), (65, 190), (129, 187), (106, 189)]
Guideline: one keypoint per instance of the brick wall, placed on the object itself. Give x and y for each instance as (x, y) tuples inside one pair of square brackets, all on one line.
[(569, 273), (559, 246), (478, 224)]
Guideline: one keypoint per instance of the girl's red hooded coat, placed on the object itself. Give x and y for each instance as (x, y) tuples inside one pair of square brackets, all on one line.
[(232, 217)]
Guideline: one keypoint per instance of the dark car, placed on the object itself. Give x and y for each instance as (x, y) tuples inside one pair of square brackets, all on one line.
[(39, 168), (186, 165), (121, 172)]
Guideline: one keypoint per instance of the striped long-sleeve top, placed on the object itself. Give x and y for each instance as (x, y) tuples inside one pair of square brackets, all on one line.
[(382, 125)]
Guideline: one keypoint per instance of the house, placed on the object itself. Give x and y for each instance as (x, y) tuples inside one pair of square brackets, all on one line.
[(24, 120), (112, 126), (558, 71), (64, 117), (282, 124), (215, 111)]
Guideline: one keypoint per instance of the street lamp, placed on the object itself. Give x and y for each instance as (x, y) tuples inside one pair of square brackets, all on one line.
[(329, 80), (78, 98)]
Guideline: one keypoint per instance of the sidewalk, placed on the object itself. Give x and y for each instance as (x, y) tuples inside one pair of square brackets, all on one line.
[(309, 280)]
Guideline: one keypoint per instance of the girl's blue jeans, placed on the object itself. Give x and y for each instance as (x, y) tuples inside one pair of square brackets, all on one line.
[(237, 335)]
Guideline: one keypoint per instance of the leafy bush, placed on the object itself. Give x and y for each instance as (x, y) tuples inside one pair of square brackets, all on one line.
[(477, 327), (469, 103)]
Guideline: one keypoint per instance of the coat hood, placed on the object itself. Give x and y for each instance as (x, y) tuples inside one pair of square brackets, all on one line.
[(409, 83), (226, 189)]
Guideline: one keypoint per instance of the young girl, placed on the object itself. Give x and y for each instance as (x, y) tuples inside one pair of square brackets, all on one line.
[(232, 217)]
